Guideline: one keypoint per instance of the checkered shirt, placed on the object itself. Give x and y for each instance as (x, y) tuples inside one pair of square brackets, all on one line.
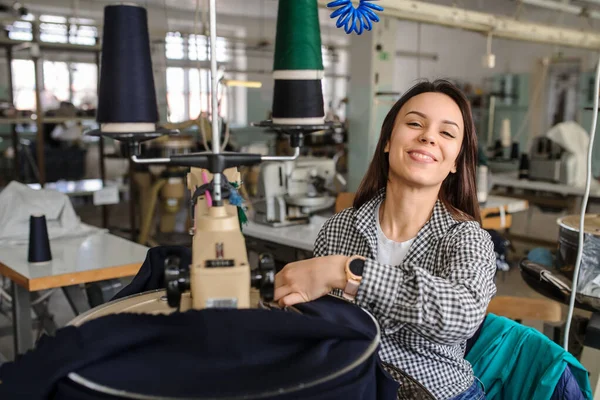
[(429, 305)]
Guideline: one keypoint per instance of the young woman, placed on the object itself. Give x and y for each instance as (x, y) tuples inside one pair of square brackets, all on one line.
[(411, 250)]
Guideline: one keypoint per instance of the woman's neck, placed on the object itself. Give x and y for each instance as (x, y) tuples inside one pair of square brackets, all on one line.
[(405, 210)]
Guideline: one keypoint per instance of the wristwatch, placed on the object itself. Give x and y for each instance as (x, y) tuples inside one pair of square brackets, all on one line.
[(354, 271)]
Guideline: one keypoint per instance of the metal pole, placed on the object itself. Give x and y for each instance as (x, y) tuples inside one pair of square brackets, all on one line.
[(132, 200), (216, 143), (39, 145), (13, 127), (101, 148), (41, 162)]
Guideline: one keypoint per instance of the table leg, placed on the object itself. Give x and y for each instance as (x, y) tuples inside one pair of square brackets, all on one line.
[(21, 310), (76, 298), (553, 331), (46, 319)]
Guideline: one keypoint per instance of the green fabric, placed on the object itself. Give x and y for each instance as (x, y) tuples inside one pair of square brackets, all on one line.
[(298, 38), (517, 362)]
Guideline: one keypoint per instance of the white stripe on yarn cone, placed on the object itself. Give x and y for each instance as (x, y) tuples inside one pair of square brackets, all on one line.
[(298, 74), (300, 121)]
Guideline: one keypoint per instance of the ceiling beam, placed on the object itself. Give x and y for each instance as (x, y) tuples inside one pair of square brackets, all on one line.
[(496, 25)]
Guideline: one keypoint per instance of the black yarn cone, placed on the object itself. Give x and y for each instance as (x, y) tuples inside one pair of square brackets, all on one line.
[(524, 167), (126, 92), (514, 151), (39, 242)]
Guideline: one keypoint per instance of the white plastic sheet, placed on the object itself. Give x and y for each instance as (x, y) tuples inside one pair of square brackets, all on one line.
[(18, 202)]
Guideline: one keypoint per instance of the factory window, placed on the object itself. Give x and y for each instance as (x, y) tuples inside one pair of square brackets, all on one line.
[(176, 95), (20, 30), (52, 32), (23, 84), (56, 81), (187, 94), (55, 29), (180, 47), (84, 85), (83, 34), (198, 96), (174, 46), (74, 82), (54, 19), (203, 48)]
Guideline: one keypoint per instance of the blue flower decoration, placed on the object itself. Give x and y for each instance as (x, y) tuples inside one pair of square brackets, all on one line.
[(355, 19)]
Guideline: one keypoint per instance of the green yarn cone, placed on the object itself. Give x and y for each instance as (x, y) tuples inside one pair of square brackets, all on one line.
[(298, 40)]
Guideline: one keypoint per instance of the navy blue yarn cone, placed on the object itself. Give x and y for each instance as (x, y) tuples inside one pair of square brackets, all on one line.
[(126, 93), (39, 242)]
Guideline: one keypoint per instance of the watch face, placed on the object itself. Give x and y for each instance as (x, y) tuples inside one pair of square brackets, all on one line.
[(357, 266)]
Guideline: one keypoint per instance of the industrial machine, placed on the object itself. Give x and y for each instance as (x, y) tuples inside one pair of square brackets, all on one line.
[(551, 162), (163, 188), (559, 156), (290, 192)]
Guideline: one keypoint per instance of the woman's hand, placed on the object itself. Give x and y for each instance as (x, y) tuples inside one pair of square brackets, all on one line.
[(307, 280)]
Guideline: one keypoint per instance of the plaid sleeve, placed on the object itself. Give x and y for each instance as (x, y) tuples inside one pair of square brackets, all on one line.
[(446, 308), (320, 248)]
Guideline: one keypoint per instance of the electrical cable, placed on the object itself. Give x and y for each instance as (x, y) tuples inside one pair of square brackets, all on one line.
[(588, 182), (355, 19)]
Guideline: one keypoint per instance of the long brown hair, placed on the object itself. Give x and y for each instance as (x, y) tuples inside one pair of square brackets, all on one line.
[(458, 192)]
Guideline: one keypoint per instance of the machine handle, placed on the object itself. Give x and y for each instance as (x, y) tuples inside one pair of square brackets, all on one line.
[(215, 163)]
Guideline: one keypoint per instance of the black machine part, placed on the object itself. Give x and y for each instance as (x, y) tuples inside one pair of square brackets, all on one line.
[(177, 280), (215, 163), (263, 278)]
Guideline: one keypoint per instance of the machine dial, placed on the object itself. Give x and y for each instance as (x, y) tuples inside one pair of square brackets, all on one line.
[(263, 278)]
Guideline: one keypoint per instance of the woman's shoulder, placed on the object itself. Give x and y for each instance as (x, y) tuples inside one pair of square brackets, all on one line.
[(469, 233), (343, 219), (460, 225)]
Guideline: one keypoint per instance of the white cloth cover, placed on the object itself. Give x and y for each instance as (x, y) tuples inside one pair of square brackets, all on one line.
[(574, 139), (18, 202)]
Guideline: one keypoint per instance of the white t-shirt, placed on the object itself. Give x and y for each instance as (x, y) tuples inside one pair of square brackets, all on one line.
[(390, 252)]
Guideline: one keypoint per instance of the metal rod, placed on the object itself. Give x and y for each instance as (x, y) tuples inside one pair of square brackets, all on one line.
[(137, 160), (103, 179), (101, 160), (39, 145), (216, 142), (132, 200), (490, 129), (168, 160), (282, 158), (13, 127)]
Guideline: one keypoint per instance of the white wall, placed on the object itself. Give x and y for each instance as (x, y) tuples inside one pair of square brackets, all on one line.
[(460, 55)]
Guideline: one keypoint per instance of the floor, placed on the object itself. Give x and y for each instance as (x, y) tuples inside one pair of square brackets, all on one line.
[(508, 283)]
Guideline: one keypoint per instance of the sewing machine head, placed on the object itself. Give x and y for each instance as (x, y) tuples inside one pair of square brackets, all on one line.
[(551, 162), (290, 192)]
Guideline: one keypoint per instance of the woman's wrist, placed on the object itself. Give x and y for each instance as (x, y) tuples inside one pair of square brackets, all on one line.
[(338, 279)]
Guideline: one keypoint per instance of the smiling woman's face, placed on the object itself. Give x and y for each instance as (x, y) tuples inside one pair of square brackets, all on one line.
[(426, 141)]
